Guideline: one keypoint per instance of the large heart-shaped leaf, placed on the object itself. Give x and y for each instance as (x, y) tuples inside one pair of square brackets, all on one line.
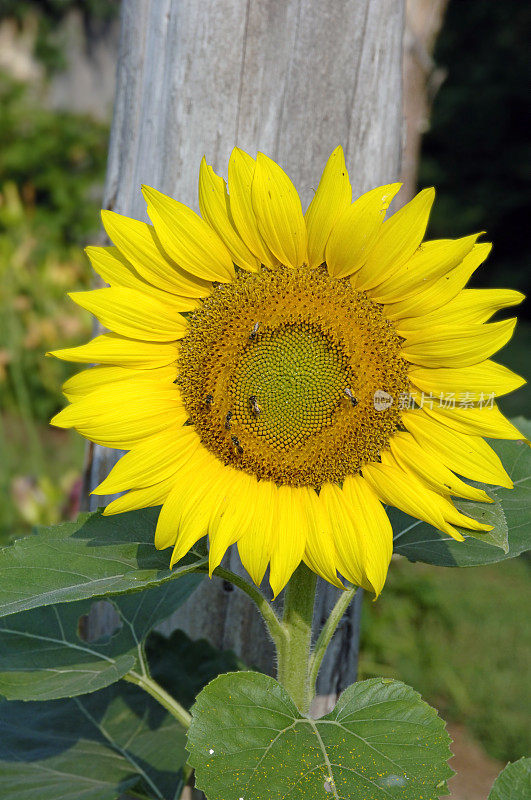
[(95, 556), (44, 653), (509, 514), (248, 740), (514, 782), (93, 747)]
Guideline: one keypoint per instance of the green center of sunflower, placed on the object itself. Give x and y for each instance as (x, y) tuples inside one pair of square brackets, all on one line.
[(279, 372), (287, 384)]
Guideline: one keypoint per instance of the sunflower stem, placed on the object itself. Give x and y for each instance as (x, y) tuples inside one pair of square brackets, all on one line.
[(325, 637), (161, 696), (294, 652), (272, 622)]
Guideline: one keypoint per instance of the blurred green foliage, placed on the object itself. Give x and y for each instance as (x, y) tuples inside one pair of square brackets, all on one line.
[(478, 151), (461, 637), (48, 14), (51, 171), (40, 470), (57, 161), (34, 312)]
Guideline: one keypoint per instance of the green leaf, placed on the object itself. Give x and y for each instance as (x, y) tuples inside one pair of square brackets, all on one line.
[(90, 748), (248, 740), (509, 514), (514, 782), (490, 514), (95, 556), (44, 653)]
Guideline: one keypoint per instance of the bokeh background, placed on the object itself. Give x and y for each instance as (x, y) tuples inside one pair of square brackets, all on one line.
[(460, 637)]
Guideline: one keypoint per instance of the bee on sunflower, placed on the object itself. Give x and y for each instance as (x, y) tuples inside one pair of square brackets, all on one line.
[(247, 352)]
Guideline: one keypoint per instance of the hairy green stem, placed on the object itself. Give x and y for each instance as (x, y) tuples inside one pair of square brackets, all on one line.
[(325, 637), (273, 624), (298, 667), (294, 652), (161, 696)]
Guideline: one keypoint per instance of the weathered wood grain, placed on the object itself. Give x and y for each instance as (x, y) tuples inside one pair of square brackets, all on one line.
[(292, 78)]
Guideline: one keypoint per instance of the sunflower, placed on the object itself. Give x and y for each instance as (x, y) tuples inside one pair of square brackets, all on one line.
[(266, 371)]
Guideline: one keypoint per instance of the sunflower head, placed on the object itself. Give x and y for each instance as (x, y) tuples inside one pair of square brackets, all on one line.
[(278, 373), (267, 369)]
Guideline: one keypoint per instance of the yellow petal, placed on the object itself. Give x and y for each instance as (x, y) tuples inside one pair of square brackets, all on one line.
[(372, 522), (255, 546), (436, 293), (477, 382), (228, 527), (198, 507), (469, 307), (215, 209), (241, 171), (131, 313), (167, 531), (429, 262), (191, 482), (486, 421), (332, 198), (467, 455), (400, 488), (278, 212), (455, 517), (185, 516), (188, 239), (399, 237), (110, 348), (451, 346), (140, 245), (356, 231), (122, 414), (412, 457), (116, 270), (94, 378), (448, 510), (291, 542), (320, 553), (350, 547), (141, 498), (152, 460)]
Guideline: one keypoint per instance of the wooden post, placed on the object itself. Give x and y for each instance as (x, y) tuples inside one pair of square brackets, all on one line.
[(292, 78), (422, 80)]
